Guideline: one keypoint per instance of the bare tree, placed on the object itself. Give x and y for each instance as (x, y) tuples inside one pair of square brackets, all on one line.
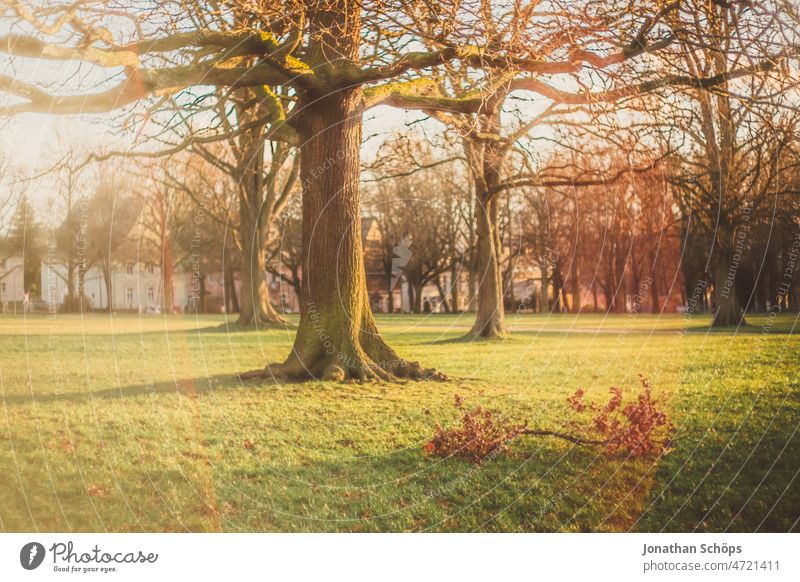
[(340, 57)]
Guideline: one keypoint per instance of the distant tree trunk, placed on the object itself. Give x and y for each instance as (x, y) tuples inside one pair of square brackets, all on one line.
[(107, 280), (544, 299), (390, 301), (490, 315), (201, 293), (81, 287), (410, 296), (472, 287), (442, 294), (558, 289), (71, 300), (575, 285), (454, 292), (167, 275), (255, 222), (509, 290), (337, 337), (727, 311), (654, 293), (231, 301), (418, 297)]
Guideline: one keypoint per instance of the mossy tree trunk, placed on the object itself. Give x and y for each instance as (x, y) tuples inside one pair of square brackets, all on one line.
[(337, 337), (727, 310), (256, 218), (490, 312), (485, 160)]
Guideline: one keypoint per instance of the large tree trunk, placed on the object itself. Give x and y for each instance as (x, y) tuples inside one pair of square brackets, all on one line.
[(490, 314), (255, 308), (337, 337)]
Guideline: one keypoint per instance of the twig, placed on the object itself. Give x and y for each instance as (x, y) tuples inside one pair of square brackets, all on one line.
[(567, 437)]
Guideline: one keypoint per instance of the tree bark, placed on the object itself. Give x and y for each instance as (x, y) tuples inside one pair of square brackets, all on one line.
[(107, 280), (575, 285), (167, 275), (727, 310), (654, 293), (231, 301), (472, 286), (544, 293), (255, 222), (490, 314), (390, 302), (337, 338), (417, 298), (201, 293), (454, 292), (410, 296), (442, 294), (70, 301)]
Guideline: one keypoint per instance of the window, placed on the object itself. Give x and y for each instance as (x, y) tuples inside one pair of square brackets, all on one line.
[(129, 268), (2, 263), (3, 288), (151, 295), (129, 296), (148, 268)]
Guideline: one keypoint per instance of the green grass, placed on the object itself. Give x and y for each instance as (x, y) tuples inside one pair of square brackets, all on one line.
[(131, 424)]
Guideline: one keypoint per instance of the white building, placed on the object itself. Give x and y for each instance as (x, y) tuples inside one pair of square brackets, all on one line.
[(134, 286), (12, 275)]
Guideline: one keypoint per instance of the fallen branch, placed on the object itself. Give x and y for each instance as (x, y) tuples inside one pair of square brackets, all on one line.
[(568, 437), (638, 428)]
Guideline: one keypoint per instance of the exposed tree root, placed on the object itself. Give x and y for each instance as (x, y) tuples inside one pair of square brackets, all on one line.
[(493, 329), (340, 370), (355, 363), (264, 324)]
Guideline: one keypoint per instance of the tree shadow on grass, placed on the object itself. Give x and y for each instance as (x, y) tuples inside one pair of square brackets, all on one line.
[(468, 339), (528, 489), (183, 386), (235, 327)]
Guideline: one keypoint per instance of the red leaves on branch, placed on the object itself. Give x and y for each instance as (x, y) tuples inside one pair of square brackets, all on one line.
[(638, 428), (480, 435)]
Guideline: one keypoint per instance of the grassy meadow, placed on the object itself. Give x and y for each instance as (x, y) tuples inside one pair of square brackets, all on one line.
[(130, 423)]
